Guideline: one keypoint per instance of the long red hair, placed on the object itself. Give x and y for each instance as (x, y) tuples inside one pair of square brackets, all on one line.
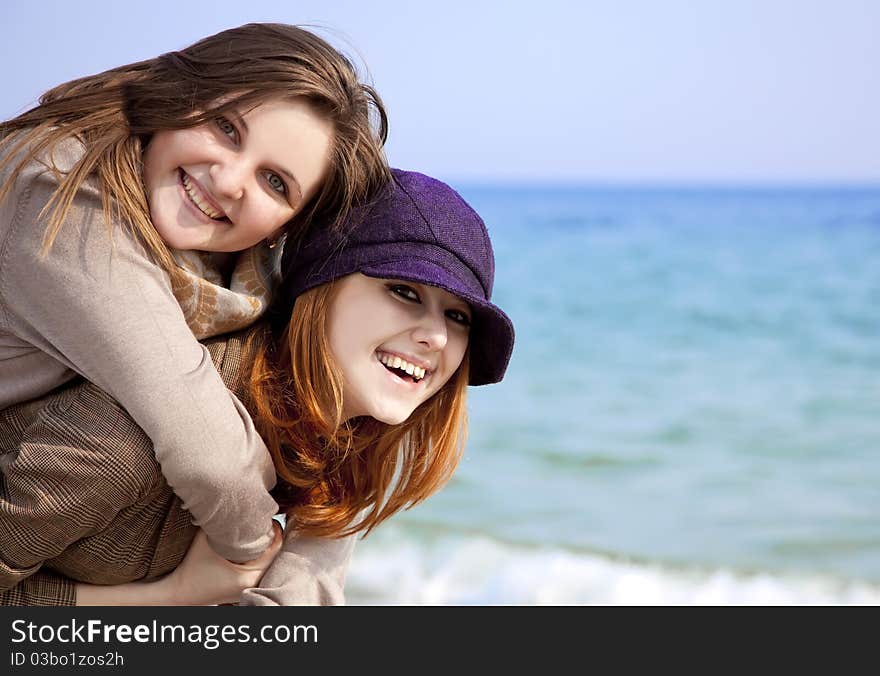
[(340, 477)]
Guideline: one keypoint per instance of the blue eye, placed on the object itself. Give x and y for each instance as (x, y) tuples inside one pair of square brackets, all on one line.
[(226, 127), (276, 183)]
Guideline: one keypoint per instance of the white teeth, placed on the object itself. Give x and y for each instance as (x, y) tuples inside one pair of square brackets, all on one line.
[(395, 362), (197, 199)]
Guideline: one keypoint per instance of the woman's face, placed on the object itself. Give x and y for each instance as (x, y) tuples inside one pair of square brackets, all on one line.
[(397, 343), (227, 184)]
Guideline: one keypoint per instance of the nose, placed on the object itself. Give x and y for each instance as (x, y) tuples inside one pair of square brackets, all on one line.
[(431, 330), (229, 179)]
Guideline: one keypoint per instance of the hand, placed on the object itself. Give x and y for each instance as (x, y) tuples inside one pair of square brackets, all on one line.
[(206, 578)]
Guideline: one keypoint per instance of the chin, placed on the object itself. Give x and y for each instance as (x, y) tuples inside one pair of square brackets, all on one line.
[(391, 417)]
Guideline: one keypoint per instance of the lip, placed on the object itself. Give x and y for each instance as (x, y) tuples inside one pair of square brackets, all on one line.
[(194, 209)]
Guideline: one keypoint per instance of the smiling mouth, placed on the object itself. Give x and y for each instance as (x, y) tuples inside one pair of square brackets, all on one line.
[(198, 198), (402, 368)]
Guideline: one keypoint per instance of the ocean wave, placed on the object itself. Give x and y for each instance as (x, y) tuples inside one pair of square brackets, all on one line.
[(480, 571)]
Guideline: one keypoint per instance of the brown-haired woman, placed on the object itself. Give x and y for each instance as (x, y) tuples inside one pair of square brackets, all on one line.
[(161, 186)]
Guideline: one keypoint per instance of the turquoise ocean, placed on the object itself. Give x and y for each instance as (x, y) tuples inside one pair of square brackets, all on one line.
[(691, 415)]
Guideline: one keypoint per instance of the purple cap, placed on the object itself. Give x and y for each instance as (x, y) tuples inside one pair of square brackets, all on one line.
[(419, 230)]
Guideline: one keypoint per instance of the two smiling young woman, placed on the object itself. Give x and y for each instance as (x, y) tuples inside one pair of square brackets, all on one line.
[(200, 160)]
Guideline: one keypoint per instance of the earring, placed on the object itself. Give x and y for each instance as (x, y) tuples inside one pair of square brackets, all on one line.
[(272, 242)]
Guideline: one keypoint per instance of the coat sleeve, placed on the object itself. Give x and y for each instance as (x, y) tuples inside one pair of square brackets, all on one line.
[(307, 571), (103, 309)]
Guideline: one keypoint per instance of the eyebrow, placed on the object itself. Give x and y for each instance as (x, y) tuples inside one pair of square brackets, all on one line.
[(284, 171)]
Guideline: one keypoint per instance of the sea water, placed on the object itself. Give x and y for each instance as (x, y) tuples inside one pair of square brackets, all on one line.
[(691, 414)]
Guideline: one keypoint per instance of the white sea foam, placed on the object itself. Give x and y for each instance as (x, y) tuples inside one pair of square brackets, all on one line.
[(481, 571)]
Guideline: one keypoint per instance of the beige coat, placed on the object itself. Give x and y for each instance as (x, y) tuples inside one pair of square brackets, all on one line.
[(103, 310)]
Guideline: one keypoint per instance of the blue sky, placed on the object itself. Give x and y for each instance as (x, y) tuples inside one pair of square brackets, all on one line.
[(549, 91)]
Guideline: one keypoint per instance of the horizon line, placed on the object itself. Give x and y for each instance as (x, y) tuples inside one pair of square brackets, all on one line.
[(669, 184)]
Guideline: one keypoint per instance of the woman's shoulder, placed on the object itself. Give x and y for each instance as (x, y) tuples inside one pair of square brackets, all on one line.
[(64, 155), (60, 156), (42, 167), (84, 248)]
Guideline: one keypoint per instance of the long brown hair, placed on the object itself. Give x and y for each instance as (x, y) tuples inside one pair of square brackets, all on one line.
[(114, 114), (338, 477)]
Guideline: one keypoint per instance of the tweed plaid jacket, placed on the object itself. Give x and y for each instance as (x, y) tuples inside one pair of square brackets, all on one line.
[(82, 498)]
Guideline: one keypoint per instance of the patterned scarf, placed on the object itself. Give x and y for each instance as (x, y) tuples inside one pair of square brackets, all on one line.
[(214, 305)]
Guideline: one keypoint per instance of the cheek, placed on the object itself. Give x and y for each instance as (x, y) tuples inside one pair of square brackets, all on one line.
[(336, 336), (167, 142), (457, 346), (265, 215), (168, 149), (153, 154), (345, 331)]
